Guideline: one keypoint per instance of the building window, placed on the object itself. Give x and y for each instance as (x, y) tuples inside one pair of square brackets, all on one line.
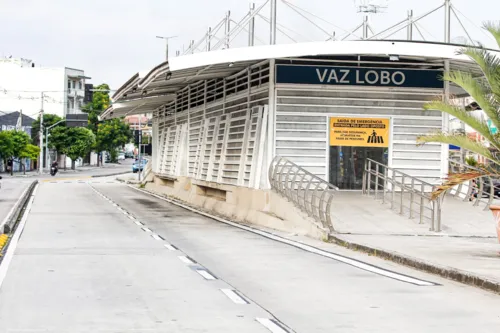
[(69, 84), (80, 85), (68, 105), (74, 84)]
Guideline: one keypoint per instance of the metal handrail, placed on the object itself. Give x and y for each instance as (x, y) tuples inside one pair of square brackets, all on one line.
[(474, 191), (307, 191), (414, 193)]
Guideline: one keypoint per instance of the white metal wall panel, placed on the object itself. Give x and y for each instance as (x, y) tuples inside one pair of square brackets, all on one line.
[(302, 132)]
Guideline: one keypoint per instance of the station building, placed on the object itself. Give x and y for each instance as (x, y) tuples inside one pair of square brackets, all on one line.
[(220, 117)]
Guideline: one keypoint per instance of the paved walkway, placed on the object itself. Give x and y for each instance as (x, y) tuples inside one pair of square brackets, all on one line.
[(467, 243)]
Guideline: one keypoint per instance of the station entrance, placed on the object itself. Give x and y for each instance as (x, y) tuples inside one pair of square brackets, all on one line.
[(352, 142)]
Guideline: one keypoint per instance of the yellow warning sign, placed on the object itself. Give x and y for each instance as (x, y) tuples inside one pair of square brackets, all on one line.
[(359, 132)]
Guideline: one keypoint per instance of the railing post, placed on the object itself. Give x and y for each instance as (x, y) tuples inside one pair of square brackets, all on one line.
[(412, 196), (433, 215), (385, 184), (369, 178), (438, 214), (365, 175), (402, 195), (393, 186), (422, 204), (376, 180)]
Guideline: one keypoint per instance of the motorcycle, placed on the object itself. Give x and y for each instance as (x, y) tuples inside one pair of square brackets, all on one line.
[(53, 171)]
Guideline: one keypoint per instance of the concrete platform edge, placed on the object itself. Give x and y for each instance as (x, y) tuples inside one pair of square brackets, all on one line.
[(443, 271)]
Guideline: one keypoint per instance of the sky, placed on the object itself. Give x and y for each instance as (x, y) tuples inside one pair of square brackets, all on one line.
[(113, 39)]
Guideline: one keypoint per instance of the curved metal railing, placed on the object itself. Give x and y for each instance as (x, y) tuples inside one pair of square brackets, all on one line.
[(481, 190), (310, 193), (409, 195)]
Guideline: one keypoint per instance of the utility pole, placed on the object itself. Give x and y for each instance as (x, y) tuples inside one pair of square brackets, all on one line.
[(365, 27), (40, 134), (227, 37), (209, 39), (166, 44), (251, 26), (273, 22)]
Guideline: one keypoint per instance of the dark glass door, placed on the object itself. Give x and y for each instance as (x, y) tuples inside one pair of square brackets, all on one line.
[(347, 163)]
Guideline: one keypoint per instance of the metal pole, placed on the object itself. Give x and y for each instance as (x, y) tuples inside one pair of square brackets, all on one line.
[(140, 141), (166, 49), (409, 28), (47, 156), (447, 21), (365, 27), (228, 29), (209, 39), (40, 167), (273, 22), (251, 26)]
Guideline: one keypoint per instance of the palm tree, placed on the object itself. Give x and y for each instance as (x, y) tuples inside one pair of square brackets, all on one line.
[(486, 93)]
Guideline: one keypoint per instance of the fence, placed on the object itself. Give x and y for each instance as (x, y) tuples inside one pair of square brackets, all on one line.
[(310, 193), (408, 195)]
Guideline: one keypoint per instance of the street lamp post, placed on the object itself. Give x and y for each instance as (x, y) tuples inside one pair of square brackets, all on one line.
[(166, 44)]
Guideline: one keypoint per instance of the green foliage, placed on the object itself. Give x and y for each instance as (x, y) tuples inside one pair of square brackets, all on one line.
[(113, 134), (74, 142), (48, 120), (17, 145), (486, 92), (471, 161), (100, 102)]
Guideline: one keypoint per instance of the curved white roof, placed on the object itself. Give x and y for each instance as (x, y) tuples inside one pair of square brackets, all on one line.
[(155, 86)]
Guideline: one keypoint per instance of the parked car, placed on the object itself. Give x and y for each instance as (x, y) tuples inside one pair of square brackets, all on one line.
[(121, 156), (139, 166), (129, 154)]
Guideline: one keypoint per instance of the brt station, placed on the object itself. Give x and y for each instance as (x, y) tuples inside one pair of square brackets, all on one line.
[(237, 130)]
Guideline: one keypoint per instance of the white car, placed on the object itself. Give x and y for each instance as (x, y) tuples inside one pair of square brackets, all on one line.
[(121, 156)]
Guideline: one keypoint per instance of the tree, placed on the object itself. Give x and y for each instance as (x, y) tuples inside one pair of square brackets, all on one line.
[(100, 102), (6, 146), (17, 145), (48, 120), (486, 92), (111, 135), (74, 142)]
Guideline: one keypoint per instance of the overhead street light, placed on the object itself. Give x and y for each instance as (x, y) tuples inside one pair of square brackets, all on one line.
[(166, 44)]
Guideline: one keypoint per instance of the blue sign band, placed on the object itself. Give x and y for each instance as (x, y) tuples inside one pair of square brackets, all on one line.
[(357, 76)]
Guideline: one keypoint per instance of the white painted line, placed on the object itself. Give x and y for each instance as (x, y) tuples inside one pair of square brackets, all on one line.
[(206, 275), (170, 247), (308, 248), (147, 229), (139, 223), (131, 217), (271, 325), (233, 296), (186, 260), (157, 237), (15, 239)]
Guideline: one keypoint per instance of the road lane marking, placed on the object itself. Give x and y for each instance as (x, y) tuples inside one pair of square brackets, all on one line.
[(157, 237), (4, 266), (272, 325), (146, 229), (234, 296), (308, 248), (139, 223), (206, 275), (170, 247), (186, 260)]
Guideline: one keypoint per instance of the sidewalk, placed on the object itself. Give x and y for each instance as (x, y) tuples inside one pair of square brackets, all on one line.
[(467, 250)]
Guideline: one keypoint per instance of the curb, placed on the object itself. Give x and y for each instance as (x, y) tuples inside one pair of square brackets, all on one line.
[(110, 174), (443, 271), (17, 209)]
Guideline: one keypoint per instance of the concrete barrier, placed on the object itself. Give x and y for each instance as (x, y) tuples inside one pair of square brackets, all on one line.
[(259, 207)]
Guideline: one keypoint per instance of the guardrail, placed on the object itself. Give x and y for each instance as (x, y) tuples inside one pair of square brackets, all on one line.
[(310, 193), (407, 194), (480, 190)]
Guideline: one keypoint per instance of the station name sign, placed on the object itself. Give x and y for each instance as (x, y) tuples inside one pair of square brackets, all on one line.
[(358, 76)]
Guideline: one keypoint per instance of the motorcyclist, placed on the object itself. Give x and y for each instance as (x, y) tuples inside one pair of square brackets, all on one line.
[(54, 167)]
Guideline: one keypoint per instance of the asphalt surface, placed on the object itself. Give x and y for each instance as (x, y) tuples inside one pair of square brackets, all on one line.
[(86, 264)]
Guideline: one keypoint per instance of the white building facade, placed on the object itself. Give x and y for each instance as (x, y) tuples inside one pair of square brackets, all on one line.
[(23, 84)]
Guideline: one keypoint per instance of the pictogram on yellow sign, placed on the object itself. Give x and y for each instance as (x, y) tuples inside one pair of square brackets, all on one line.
[(359, 132)]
